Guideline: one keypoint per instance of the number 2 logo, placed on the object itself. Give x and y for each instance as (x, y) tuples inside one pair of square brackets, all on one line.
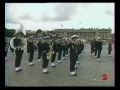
[(105, 77)]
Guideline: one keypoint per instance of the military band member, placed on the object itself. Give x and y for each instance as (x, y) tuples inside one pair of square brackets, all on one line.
[(73, 55), (31, 51), (39, 45), (28, 46), (95, 46), (67, 46), (109, 46), (35, 46), (99, 48), (45, 50), (54, 45), (79, 50), (92, 46), (57, 45), (17, 44), (82, 46), (60, 47), (64, 47)]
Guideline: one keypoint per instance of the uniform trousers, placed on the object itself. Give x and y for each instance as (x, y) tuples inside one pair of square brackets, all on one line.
[(31, 56), (45, 60), (109, 50), (59, 54), (39, 55), (35, 48), (18, 57), (64, 52), (99, 53), (95, 51), (73, 59), (92, 49), (53, 57)]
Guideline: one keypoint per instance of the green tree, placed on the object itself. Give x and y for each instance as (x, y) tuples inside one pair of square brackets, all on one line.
[(9, 32), (38, 31)]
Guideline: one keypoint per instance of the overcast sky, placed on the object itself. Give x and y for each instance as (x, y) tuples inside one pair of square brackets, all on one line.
[(47, 16)]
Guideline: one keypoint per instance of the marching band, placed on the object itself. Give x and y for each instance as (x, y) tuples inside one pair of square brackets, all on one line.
[(51, 47)]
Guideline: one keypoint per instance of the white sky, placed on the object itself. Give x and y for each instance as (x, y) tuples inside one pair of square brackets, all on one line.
[(46, 16)]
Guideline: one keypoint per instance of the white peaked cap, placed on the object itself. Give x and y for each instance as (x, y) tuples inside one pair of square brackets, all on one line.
[(53, 35), (21, 30), (46, 37), (74, 36), (99, 38)]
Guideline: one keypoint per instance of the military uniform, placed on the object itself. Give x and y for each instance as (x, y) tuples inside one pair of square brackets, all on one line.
[(109, 47), (82, 46), (92, 46), (95, 43), (79, 51), (64, 47), (18, 52), (67, 47), (27, 46), (60, 49), (45, 50), (73, 55), (54, 45), (39, 45), (31, 52), (18, 44), (99, 48)]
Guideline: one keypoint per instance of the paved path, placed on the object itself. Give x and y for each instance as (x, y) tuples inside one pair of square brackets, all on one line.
[(89, 72)]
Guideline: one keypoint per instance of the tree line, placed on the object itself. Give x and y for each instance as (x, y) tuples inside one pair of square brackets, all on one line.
[(11, 32)]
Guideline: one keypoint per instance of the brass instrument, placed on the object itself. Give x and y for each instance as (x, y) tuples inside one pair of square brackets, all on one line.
[(64, 44), (60, 42), (49, 54), (35, 43), (24, 41)]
